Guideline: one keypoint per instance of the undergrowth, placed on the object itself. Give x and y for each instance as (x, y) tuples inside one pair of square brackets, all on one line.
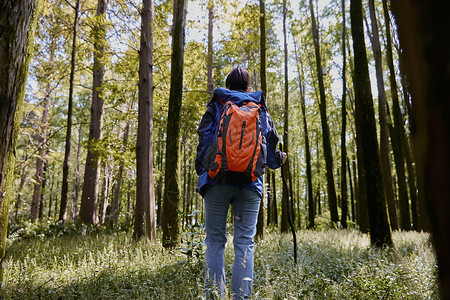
[(333, 264)]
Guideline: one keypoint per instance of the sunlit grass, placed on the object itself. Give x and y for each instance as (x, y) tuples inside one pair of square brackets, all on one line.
[(334, 264)]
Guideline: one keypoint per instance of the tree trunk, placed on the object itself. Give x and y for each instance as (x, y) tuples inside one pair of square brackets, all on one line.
[(285, 198), (89, 196), (352, 195), (209, 65), (311, 208), (269, 192), (380, 231), (65, 179), (261, 225), (42, 152), (344, 197), (275, 204), (18, 20), (144, 223), (170, 219), (384, 130), (115, 205), (332, 200), (41, 194), (77, 176), (422, 28)]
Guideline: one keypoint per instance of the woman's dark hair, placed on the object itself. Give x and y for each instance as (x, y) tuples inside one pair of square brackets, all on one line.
[(238, 79)]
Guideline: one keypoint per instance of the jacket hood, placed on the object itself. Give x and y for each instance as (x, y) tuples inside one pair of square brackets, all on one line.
[(237, 96)]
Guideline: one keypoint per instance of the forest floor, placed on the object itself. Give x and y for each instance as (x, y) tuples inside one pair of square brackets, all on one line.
[(332, 264)]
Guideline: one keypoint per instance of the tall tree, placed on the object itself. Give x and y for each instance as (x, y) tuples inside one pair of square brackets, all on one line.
[(115, 205), (260, 227), (344, 126), (18, 19), (65, 179), (311, 211), (42, 152), (209, 65), (170, 219), (331, 190), (285, 200), (144, 222), (380, 231), (383, 119), (422, 29), (89, 195)]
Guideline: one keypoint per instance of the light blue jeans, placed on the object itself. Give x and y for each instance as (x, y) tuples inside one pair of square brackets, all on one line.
[(217, 201)]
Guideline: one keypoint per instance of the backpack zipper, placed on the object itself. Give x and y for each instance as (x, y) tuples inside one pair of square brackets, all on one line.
[(242, 135)]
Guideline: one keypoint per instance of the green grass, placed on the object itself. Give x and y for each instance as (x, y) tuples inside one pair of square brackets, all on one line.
[(334, 264)]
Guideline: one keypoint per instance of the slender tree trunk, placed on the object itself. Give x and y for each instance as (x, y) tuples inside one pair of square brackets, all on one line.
[(269, 197), (144, 223), (42, 152), (170, 220), (261, 225), (115, 205), (104, 199), (352, 197), (423, 28), (275, 204), (382, 112), (41, 194), (311, 208), (77, 176), (18, 21), (285, 198), (209, 65), (89, 196), (332, 200), (380, 232), (65, 178), (344, 197)]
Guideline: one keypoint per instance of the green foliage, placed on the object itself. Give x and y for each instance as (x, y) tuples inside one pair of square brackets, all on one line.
[(334, 264)]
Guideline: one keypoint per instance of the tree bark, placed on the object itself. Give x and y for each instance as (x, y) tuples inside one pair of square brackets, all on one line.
[(380, 231), (209, 65), (311, 208), (18, 21), (42, 152), (261, 225), (170, 219), (383, 119), (89, 196), (77, 176), (285, 199), (144, 223), (344, 197), (332, 200), (116, 205), (65, 179), (422, 29)]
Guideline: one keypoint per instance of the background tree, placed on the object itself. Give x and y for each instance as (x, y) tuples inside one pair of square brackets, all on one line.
[(380, 231), (65, 178), (18, 18), (421, 26), (261, 226), (144, 224), (170, 219), (331, 191), (383, 120), (89, 196), (344, 126)]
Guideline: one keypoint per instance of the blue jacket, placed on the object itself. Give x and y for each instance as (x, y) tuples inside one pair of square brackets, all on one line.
[(208, 129)]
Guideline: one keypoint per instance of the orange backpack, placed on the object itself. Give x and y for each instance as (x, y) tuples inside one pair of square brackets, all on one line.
[(238, 152)]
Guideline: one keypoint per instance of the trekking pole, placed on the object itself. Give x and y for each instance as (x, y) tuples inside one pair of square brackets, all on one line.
[(289, 212)]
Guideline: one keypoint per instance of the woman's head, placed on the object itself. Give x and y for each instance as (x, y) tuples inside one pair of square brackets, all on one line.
[(238, 79)]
